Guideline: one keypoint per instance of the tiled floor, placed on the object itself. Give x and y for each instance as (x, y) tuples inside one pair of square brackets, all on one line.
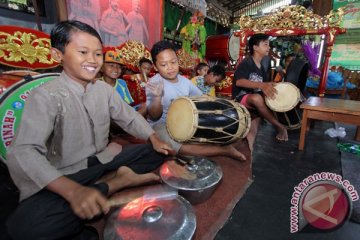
[(264, 211)]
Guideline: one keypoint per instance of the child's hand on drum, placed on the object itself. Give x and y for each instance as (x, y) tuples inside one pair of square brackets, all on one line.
[(269, 90), (156, 88)]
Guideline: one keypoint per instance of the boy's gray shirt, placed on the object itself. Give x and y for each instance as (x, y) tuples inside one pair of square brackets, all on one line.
[(62, 125)]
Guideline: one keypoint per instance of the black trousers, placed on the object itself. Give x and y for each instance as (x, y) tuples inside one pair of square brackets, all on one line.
[(46, 215)]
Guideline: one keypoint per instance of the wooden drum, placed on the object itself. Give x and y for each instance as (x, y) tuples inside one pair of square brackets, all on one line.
[(222, 47), (285, 104), (207, 120)]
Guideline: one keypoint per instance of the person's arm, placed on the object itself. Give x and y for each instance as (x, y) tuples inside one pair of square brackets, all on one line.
[(126, 116), (154, 94), (155, 108), (160, 146), (194, 90), (266, 87), (85, 202), (133, 123), (241, 80), (27, 160)]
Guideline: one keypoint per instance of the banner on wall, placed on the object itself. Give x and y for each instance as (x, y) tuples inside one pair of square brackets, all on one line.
[(351, 17), (341, 3), (118, 21), (345, 55)]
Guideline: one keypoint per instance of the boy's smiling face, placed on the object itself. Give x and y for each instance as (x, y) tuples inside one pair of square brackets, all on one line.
[(82, 58), (167, 64), (111, 70)]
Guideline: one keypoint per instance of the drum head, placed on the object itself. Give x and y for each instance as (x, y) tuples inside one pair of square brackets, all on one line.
[(234, 47), (181, 120), (287, 97), (12, 103)]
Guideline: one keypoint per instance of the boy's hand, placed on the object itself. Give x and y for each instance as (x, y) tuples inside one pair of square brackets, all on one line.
[(88, 202), (269, 90), (84, 201), (160, 146), (156, 88)]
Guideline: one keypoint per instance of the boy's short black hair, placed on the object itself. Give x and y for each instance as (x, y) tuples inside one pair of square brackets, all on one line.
[(159, 47), (61, 33), (200, 66), (255, 40), (144, 60), (217, 70)]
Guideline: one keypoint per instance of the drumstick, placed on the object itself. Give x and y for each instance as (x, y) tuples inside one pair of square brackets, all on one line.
[(159, 192), (115, 202)]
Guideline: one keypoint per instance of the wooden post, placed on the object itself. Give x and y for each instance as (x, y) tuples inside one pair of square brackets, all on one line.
[(322, 7), (330, 39), (324, 74), (37, 16), (61, 10)]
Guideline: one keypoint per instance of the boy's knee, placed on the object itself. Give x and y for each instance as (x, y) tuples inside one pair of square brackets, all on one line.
[(256, 99)]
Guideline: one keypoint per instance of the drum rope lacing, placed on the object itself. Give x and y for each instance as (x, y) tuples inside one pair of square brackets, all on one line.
[(219, 129)]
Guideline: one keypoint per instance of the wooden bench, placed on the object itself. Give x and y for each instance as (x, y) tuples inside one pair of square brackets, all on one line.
[(327, 109)]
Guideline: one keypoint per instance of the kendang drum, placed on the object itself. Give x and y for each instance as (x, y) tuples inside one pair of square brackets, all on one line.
[(12, 103), (207, 120), (165, 217), (285, 105), (196, 178), (222, 47), (290, 119)]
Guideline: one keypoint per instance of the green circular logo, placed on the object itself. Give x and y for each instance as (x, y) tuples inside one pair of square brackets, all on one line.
[(12, 103)]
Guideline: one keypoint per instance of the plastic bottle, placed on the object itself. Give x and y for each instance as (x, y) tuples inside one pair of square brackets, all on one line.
[(349, 147)]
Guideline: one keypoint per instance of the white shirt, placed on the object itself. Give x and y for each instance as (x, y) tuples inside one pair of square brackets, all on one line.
[(182, 88)]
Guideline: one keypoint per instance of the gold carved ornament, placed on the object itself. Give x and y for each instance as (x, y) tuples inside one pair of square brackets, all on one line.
[(21, 46), (289, 17), (334, 18), (227, 82), (186, 61), (132, 51)]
